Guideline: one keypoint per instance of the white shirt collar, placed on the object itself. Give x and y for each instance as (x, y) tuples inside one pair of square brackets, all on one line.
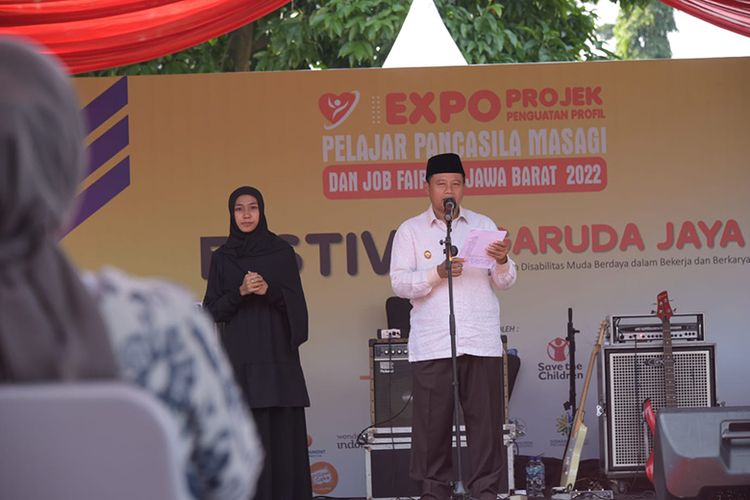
[(464, 215)]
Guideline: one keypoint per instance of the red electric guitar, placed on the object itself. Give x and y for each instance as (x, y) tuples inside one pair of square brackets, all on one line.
[(663, 312)]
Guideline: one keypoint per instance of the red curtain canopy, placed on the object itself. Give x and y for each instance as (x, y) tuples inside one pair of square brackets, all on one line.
[(89, 35), (733, 15), (100, 34)]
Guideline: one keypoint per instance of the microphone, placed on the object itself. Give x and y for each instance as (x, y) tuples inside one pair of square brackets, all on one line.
[(449, 205)]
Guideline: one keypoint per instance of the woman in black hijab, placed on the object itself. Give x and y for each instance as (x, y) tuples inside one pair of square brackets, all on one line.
[(254, 289)]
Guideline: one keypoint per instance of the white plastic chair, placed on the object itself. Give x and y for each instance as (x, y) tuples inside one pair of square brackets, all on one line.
[(87, 441)]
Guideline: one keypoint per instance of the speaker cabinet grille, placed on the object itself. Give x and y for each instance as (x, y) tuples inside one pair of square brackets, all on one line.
[(634, 374), (390, 383)]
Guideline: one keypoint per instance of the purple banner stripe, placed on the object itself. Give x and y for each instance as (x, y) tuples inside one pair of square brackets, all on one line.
[(107, 145), (106, 104), (101, 192)]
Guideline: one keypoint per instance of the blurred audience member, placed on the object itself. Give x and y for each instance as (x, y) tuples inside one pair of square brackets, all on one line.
[(53, 329)]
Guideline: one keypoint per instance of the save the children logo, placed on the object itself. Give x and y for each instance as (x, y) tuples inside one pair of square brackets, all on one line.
[(557, 349), (336, 108)]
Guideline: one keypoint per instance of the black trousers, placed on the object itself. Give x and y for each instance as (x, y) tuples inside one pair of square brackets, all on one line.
[(480, 393)]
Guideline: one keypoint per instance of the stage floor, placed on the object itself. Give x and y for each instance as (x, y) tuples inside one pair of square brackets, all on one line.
[(591, 484)]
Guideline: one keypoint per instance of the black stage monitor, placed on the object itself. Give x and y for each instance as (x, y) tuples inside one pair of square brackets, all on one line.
[(701, 451)]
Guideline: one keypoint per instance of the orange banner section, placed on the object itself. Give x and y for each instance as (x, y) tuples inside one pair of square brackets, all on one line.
[(521, 176)]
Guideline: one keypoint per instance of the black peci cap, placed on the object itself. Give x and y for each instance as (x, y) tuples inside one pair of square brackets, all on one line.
[(444, 163)]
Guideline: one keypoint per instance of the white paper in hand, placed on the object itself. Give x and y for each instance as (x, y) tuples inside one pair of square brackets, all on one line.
[(474, 250)]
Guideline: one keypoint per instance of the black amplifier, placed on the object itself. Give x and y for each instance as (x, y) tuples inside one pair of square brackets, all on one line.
[(390, 383), (394, 349), (648, 328)]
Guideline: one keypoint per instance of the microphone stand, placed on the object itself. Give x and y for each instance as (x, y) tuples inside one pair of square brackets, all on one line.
[(459, 491), (571, 338)]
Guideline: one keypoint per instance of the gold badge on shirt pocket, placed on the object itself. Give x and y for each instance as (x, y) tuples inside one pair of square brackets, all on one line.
[(427, 254)]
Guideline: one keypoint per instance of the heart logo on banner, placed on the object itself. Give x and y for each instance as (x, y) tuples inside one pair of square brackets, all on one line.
[(337, 108)]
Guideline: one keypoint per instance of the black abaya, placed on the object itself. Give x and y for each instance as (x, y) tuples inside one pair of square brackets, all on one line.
[(261, 335)]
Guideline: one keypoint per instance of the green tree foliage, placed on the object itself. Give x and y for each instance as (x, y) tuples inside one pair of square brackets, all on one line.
[(641, 31), (360, 33)]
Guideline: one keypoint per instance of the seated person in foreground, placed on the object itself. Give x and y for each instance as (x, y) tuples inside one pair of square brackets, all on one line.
[(146, 332)]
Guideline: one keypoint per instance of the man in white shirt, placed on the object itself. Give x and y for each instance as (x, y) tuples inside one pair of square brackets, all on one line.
[(419, 273)]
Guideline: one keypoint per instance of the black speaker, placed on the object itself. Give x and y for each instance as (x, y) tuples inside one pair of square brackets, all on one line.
[(390, 383), (699, 452), (630, 374)]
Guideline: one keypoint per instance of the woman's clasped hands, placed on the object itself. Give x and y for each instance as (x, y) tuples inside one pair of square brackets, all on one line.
[(253, 283)]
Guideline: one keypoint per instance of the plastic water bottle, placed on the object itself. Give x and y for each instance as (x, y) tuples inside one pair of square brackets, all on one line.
[(535, 485)]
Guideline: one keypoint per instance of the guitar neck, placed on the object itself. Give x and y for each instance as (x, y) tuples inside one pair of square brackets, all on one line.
[(578, 420), (670, 397)]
